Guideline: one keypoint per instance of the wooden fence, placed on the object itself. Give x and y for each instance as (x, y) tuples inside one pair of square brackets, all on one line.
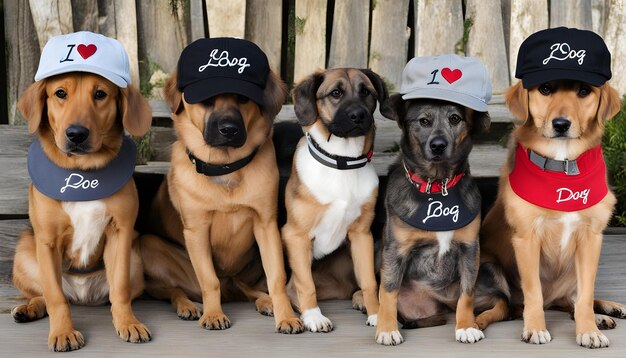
[(300, 36)]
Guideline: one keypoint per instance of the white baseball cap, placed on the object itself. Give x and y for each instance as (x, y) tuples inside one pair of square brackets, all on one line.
[(85, 51), (462, 80)]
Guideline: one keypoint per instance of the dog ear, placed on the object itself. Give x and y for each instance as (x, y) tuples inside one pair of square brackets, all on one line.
[(379, 85), (172, 95), (135, 110), (481, 121), (304, 97), (516, 99), (610, 103), (274, 95), (32, 104), (393, 108)]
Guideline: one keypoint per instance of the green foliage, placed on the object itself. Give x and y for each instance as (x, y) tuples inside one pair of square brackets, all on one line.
[(144, 150), (461, 46), (146, 69), (614, 147), (299, 23)]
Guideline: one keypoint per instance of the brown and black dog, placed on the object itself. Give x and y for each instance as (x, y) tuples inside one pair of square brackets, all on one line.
[(79, 119), (210, 217), (332, 190)]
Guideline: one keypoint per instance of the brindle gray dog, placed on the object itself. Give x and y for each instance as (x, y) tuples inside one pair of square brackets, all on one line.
[(430, 260)]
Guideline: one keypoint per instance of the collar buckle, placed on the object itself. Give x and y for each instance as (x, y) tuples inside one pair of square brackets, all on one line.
[(444, 186), (429, 183)]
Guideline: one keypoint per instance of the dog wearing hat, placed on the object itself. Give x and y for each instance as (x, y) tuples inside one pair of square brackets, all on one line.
[(82, 201), (430, 256), (553, 201), (216, 211)]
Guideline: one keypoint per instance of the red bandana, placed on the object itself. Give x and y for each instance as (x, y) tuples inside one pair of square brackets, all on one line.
[(557, 190)]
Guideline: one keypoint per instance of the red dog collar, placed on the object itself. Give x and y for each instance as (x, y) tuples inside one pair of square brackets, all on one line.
[(557, 190), (431, 186)]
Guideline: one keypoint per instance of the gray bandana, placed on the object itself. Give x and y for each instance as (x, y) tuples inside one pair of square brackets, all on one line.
[(77, 185)]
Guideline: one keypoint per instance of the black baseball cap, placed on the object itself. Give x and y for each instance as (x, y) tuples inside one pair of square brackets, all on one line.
[(563, 53), (208, 67)]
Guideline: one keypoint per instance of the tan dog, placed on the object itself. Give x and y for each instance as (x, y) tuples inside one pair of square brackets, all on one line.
[(333, 188), (213, 220), (556, 253), (60, 258)]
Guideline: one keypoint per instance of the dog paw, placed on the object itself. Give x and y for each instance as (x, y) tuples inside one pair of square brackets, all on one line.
[(605, 322), (469, 335), (66, 341), (189, 312), (214, 321), (392, 338), (290, 326), (372, 320), (264, 306), (536, 336), (592, 340), (315, 321), (358, 303), (134, 332), (24, 313)]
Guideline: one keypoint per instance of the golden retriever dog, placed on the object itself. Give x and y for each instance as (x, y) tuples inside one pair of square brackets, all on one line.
[(553, 202), (80, 249), (216, 210), (333, 187)]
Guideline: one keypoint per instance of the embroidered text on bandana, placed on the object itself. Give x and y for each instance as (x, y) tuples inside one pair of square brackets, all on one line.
[(437, 212), (78, 185), (557, 190)]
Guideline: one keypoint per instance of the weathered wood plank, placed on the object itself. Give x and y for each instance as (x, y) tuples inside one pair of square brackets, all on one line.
[(599, 14), (226, 18), (440, 27), (264, 27), (571, 13), (390, 40), (614, 37), (85, 15), (196, 18), (310, 26), (348, 45), (126, 32), (487, 18), (14, 189), (527, 17), (51, 18)]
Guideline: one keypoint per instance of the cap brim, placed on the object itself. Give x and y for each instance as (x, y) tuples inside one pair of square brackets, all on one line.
[(447, 95), (204, 89), (532, 79), (117, 80)]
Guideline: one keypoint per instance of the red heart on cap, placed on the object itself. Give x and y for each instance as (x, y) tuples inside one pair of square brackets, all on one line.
[(451, 75), (86, 51)]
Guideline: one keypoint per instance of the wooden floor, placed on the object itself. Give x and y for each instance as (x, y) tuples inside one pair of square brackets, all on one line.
[(252, 334)]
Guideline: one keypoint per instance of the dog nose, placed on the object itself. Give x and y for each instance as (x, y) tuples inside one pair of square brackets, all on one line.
[(561, 125), (357, 115), (228, 129), (438, 145), (77, 134)]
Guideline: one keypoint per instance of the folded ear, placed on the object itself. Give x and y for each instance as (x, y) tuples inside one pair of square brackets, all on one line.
[(173, 96), (378, 83), (610, 103), (481, 121), (516, 99), (394, 108), (304, 97), (274, 95), (32, 104), (135, 110)]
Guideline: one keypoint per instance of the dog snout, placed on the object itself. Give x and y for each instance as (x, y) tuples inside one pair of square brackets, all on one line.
[(228, 128), (77, 134), (357, 115), (438, 145), (225, 130), (561, 125)]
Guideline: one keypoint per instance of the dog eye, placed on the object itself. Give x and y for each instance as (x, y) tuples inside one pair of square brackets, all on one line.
[(545, 89), (364, 92), (337, 93), (455, 119), (100, 94), (424, 122), (60, 94), (584, 91), (242, 99)]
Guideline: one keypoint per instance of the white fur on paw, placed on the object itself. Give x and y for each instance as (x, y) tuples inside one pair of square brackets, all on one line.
[(469, 335), (592, 340), (372, 320), (536, 337), (315, 321), (392, 338)]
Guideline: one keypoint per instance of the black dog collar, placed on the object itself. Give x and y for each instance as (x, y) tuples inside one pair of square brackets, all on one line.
[(569, 167), (215, 170), (84, 271), (336, 161)]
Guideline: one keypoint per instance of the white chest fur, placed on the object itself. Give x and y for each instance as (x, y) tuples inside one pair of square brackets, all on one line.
[(344, 191), (89, 219)]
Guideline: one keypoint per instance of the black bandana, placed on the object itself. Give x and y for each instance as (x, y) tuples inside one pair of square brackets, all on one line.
[(78, 185), (437, 212)]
